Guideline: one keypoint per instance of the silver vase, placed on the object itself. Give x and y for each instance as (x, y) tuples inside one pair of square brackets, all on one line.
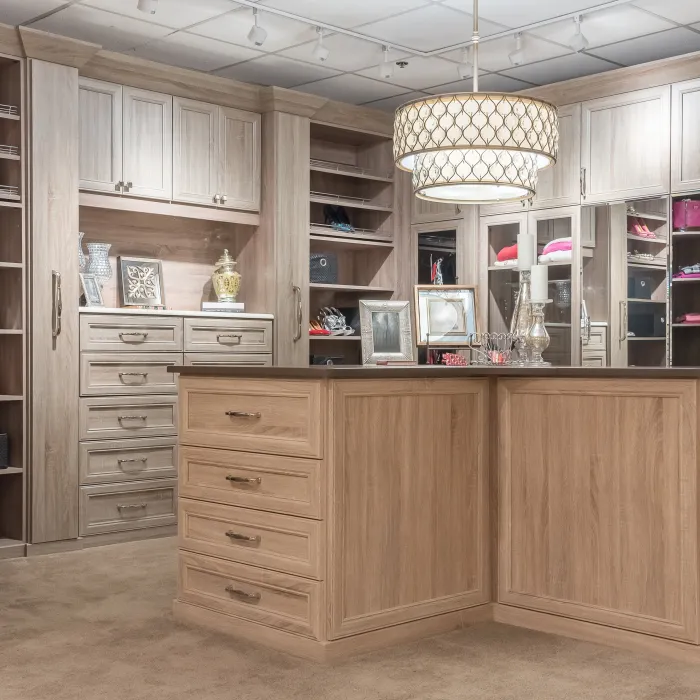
[(98, 264), (522, 319), (82, 260)]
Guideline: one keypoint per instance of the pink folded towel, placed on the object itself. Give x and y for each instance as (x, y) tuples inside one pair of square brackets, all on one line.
[(557, 244)]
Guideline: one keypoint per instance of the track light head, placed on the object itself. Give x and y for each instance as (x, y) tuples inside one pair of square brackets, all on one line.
[(465, 68), (517, 57), (321, 53), (386, 68), (578, 41), (148, 6), (257, 34)]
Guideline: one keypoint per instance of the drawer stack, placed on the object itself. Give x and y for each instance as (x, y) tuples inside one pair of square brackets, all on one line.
[(595, 347), (128, 408), (251, 530)]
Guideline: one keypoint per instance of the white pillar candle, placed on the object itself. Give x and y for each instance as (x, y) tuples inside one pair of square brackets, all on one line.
[(526, 251), (538, 282)]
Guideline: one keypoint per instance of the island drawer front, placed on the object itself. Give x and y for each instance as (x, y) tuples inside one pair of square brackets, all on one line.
[(116, 333), (109, 461), (112, 417), (269, 540), (125, 373), (228, 335), (271, 598), (275, 417), (127, 506), (264, 482), (192, 359)]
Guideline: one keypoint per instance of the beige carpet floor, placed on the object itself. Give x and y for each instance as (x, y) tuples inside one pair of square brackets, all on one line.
[(96, 625)]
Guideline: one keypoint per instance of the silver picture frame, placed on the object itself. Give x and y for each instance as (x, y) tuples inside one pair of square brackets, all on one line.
[(141, 282), (90, 290), (385, 328), (446, 315)]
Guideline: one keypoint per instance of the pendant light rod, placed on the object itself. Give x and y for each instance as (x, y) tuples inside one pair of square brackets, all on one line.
[(475, 50)]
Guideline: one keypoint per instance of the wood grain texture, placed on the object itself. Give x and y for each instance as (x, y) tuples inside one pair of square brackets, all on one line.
[(284, 543), (685, 136), (227, 335), (287, 484), (598, 502), (56, 49), (194, 359), (110, 333), (408, 496), (122, 373), (286, 415), (54, 223), (10, 42)]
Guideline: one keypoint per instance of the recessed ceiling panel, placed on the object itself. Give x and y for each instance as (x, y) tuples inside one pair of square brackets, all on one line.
[(19, 11), (493, 82), (276, 70), (652, 47), (572, 65), (352, 88), (391, 103), (681, 11), (420, 73)]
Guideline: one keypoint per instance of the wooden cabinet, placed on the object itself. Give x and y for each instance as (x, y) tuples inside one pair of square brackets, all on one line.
[(625, 145), (598, 501), (239, 153), (100, 109), (685, 137), (424, 211)]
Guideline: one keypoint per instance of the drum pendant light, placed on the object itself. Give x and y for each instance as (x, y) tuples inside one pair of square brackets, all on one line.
[(475, 147)]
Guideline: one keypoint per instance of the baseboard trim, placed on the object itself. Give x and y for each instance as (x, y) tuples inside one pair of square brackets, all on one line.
[(42, 548), (596, 633), (333, 650)]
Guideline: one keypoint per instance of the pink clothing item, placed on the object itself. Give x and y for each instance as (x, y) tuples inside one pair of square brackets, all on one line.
[(510, 252), (689, 318), (686, 276), (557, 244)]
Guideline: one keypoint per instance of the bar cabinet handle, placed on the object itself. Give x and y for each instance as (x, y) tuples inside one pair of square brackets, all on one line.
[(142, 335), (243, 414), (244, 479), (121, 418), (134, 459), (583, 182), (131, 506), (248, 597), (623, 321), (236, 336), (244, 538), (56, 303), (133, 374), (297, 294)]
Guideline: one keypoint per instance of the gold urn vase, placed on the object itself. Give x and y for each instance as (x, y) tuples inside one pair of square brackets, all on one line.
[(226, 281)]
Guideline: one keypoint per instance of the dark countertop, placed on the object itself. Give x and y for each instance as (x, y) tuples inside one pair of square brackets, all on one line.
[(434, 372)]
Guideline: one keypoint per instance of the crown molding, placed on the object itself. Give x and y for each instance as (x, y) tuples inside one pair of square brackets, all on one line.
[(56, 49)]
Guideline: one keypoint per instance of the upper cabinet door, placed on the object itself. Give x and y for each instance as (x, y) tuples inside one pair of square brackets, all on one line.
[(100, 106), (148, 144), (239, 151), (560, 184), (424, 211), (195, 162), (685, 136), (625, 151)]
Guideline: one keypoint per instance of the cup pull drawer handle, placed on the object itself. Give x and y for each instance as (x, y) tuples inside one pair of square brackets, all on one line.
[(249, 597), (121, 418), (244, 479), (131, 506), (234, 336), (243, 414), (133, 374), (243, 538), (133, 459), (141, 335)]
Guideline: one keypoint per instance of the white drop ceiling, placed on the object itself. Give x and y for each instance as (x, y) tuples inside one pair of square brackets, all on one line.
[(211, 36)]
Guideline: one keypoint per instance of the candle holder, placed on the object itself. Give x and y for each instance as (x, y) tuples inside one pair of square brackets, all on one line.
[(537, 339), (522, 320)]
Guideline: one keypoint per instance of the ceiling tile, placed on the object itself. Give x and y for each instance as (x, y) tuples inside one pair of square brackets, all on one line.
[(277, 70), (681, 11), (345, 13), (234, 27), (573, 65), (17, 11), (427, 29), (113, 32), (391, 103), (606, 26), (195, 52), (493, 55), (170, 13), (652, 47), (493, 83), (419, 73), (347, 53), (354, 89)]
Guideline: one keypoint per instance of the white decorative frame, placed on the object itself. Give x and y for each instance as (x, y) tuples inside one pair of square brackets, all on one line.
[(156, 267), (371, 354), (90, 289), (463, 298)]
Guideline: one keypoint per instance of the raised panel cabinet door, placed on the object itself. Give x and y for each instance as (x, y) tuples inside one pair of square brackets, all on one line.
[(625, 145), (239, 150), (560, 184), (685, 136), (408, 500), (148, 144), (195, 159), (100, 110), (598, 501), (424, 211)]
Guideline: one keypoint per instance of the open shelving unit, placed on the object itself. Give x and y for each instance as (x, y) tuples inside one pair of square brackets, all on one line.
[(352, 169), (13, 341)]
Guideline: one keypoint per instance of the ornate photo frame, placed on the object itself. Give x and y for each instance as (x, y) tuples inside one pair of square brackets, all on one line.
[(90, 290), (449, 313), (386, 331), (141, 282)]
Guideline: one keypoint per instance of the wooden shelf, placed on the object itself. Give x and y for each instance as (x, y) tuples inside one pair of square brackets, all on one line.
[(347, 243), (685, 325), (11, 266), (11, 205), (11, 397), (657, 241), (645, 301), (335, 337), (349, 288), (322, 231), (10, 470), (553, 324), (685, 234), (648, 266), (11, 117), (8, 156), (496, 268), (11, 331), (319, 198), (685, 280), (649, 217), (637, 337), (348, 171)]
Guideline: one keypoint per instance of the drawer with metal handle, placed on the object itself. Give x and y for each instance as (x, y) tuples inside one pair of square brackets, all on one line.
[(109, 417), (269, 540), (269, 597), (117, 333), (235, 335), (127, 506), (122, 373), (275, 417)]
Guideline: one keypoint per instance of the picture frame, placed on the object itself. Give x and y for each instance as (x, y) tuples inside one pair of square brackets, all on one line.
[(141, 282), (446, 315), (90, 290), (386, 334)]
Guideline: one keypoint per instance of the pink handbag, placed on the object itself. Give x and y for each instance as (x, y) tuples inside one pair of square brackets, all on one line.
[(686, 214)]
